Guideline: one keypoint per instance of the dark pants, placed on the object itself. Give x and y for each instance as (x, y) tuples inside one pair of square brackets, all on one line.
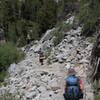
[(66, 97), (41, 61)]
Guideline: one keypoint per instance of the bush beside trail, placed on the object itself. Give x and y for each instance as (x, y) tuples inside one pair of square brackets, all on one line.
[(8, 54)]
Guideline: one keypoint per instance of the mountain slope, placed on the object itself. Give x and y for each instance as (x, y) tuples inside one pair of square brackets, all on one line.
[(29, 80)]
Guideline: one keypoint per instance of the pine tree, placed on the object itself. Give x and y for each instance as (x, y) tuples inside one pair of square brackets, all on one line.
[(47, 14), (89, 15), (17, 18)]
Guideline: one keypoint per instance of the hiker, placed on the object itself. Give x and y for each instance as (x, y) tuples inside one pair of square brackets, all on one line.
[(72, 88), (41, 56)]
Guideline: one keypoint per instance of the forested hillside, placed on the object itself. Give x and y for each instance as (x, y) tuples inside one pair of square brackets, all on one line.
[(20, 19)]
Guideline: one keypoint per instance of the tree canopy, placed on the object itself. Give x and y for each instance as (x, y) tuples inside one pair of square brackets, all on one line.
[(27, 17)]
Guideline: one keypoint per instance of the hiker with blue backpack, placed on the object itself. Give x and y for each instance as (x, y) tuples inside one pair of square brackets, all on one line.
[(73, 88)]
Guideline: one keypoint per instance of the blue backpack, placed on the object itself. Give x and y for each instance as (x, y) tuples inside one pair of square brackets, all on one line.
[(72, 87)]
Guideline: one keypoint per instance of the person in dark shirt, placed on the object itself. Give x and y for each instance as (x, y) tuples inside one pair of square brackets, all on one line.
[(41, 56)]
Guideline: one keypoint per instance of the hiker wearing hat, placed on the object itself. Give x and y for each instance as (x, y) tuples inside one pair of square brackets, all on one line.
[(72, 88)]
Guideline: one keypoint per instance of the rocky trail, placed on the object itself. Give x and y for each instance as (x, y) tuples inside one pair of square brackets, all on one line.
[(44, 83), (28, 80)]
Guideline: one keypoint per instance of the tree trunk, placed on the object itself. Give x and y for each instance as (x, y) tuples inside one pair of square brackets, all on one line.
[(95, 60)]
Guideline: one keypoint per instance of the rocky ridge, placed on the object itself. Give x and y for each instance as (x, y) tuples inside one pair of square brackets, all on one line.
[(29, 80)]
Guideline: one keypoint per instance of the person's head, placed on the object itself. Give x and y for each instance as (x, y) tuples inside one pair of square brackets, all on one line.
[(71, 71), (40, 49)]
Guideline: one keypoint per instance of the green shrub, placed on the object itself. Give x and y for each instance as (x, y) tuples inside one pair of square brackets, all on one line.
[(91, 39), (89, 15), (49, 61), (47, 52), (33, 29), (97, 97), (3, 74), (8, 96), (62, 27), (2, 82), (96, 86), (60, 8), (59, 36), (8, 55)]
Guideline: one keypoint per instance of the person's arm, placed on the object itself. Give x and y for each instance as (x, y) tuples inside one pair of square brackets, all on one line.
[(80, 84), (66, 85)]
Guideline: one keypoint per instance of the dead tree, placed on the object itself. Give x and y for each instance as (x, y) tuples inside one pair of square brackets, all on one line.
[(95, 61)]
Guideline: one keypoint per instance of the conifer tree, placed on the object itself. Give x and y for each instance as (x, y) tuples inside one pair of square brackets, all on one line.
[(18, 18), (89, 15)]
